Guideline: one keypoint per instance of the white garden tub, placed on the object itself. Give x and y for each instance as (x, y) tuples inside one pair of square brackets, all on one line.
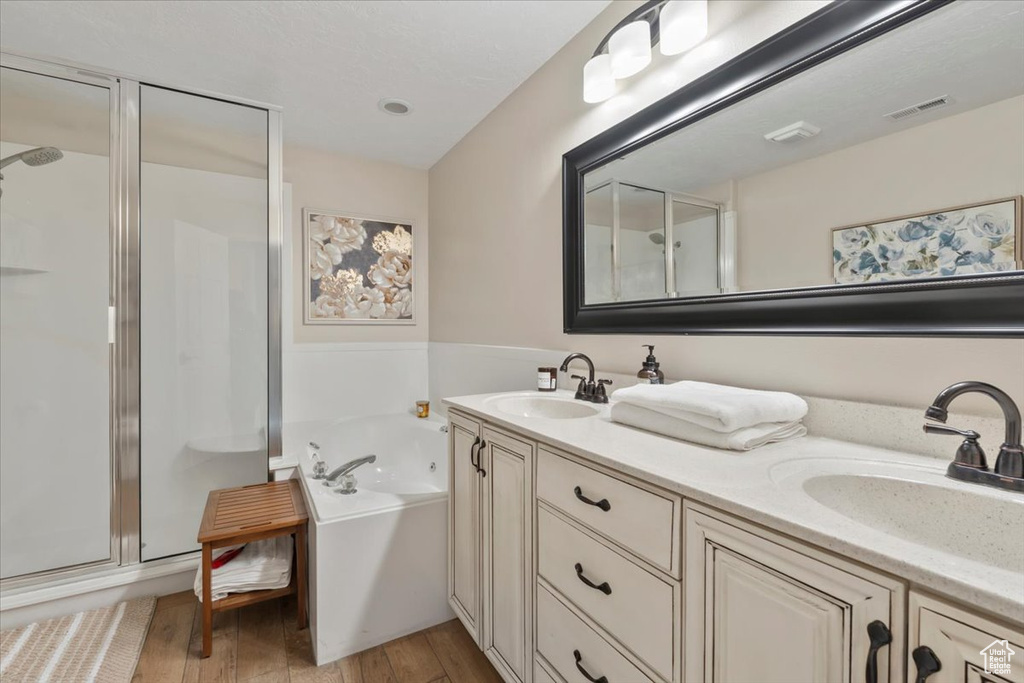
[(377, 566)]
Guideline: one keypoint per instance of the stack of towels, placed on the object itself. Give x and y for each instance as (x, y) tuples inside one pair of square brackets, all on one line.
[(261, 565), (711, 414)]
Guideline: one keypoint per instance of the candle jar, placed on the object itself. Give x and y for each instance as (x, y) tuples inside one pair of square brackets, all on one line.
[(422, 409), (547, 379)]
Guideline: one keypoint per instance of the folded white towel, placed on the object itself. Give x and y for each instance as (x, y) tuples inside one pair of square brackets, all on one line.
[(714, 406), (261, 565), (743, 439)]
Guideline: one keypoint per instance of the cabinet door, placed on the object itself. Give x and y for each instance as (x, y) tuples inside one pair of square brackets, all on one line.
[(464, 531), (763, 608), (965, 647), (508, 554)]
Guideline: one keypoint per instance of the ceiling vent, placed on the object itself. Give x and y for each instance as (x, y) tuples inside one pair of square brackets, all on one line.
[(916, 109), (794, 132)]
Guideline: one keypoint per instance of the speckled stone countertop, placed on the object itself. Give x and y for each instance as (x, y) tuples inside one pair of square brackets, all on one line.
[(971, 553)]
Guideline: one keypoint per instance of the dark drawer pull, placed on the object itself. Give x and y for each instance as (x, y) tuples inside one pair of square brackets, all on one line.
[(604, 587), (579, 657), (603, 503)]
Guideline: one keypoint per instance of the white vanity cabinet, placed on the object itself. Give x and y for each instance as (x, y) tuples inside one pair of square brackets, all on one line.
[(507, 513), (565, 570), (761, 607), (465, 594), (950, 645), (490, 547)]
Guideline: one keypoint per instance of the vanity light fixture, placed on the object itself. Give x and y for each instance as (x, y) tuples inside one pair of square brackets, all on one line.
[(684, 24), (678, 25)]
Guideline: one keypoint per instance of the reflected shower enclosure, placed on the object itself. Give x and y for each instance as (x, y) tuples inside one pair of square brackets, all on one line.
[(139, 314), (627, 229)]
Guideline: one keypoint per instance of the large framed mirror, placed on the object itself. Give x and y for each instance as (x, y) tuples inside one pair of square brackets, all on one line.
[(859, 173)]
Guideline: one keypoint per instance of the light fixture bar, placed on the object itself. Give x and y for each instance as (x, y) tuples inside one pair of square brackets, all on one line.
[(678, 25)]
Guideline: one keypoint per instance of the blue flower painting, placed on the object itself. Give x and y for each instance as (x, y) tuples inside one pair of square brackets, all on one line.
[(970, 240)]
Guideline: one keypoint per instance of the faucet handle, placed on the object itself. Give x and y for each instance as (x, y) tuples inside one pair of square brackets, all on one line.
[(600, 395), (970, 453), (581, 390), (943, 429)]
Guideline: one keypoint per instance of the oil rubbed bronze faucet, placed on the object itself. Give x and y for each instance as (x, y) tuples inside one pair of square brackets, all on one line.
[(588, 389), (969, 464)]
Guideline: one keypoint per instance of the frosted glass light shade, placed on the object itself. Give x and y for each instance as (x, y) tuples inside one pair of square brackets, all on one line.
[(598, 82), (684, 24), (630, 49)]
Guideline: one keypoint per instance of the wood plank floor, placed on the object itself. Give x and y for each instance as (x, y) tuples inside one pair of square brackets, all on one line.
[(262, 644)]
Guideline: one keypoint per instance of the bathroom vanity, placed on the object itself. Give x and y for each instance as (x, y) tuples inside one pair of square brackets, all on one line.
[(583, 550)]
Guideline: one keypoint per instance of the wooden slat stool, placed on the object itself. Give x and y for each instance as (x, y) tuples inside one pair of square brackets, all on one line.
[(253, 513)]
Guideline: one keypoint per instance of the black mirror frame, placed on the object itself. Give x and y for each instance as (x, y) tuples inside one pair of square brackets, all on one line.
[(983, 306)]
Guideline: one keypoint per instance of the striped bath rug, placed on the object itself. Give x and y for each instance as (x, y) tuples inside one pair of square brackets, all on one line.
[(101, 645)]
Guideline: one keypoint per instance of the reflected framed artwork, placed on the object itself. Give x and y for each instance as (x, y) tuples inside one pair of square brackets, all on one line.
[(358, 269), (962, 240)]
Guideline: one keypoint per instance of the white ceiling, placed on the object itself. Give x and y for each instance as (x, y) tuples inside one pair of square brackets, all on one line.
[(971, 51), (326, 63)]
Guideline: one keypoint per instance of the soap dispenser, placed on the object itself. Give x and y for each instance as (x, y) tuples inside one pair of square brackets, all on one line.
[(649, 373)]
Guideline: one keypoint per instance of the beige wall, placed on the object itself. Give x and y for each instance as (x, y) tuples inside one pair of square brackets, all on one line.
[(322, 180), (964, 159), (496, 242)]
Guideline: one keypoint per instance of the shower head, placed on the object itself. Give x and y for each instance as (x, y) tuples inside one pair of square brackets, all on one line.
[(659, 238), (34, 157)]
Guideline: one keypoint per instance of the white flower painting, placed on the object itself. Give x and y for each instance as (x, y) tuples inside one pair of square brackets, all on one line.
[(358, 270), (967, 240)]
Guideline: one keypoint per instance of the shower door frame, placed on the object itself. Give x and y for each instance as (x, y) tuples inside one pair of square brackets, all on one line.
[(125, 297), (725, 233)]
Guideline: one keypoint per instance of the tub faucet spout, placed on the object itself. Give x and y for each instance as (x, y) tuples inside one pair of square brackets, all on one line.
[(342, 476)]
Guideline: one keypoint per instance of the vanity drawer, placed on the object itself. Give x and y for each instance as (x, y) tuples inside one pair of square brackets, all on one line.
[(561, 636), (639, 608), (640, 520), (540, 674)]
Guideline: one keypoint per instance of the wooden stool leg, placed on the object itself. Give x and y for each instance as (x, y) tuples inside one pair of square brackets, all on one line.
[(207, 600), (300, 569)]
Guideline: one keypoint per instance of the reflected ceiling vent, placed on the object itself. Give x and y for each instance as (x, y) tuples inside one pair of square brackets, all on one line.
[(907, 112), (794, 132)]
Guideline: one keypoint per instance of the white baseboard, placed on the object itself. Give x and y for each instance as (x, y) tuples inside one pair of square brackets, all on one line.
[(107, 587)]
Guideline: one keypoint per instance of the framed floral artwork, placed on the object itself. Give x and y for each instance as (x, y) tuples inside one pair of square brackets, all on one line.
[(963, 240), (358, 269)]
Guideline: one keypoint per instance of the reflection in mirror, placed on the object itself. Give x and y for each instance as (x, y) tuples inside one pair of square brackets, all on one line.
[(899, 160), (628, 227)]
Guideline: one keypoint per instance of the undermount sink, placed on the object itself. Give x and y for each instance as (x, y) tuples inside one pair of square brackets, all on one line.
[(543, 406), (917, 504)]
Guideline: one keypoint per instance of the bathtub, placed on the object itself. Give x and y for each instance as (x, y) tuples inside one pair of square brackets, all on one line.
[(377, 558)]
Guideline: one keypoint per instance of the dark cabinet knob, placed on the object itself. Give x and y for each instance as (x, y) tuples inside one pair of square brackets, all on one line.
[(879, 636), (927, 663)]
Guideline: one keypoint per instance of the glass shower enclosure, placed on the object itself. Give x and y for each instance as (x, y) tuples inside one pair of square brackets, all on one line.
[(140, 235)]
